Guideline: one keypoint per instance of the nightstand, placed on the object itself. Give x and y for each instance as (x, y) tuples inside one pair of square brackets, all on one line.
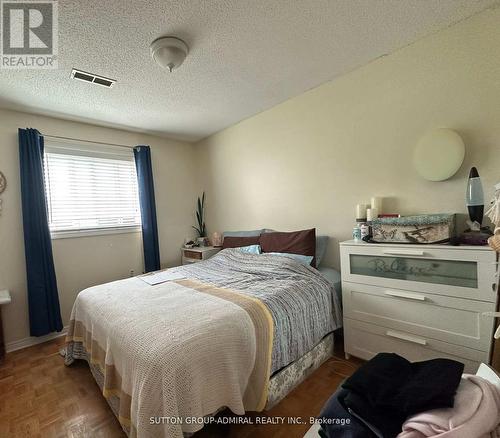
[(197, 254)]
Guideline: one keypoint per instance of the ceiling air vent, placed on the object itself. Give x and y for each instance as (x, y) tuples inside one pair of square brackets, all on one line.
[(92, 78)]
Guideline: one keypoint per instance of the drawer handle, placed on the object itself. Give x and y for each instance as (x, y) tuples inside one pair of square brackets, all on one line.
[(405, 337), (408, 252), (409, 295)]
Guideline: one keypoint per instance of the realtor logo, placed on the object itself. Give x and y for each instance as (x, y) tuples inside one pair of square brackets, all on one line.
[(28, 34)]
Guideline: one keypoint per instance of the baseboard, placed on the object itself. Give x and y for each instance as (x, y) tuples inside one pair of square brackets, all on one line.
[(33, 340)]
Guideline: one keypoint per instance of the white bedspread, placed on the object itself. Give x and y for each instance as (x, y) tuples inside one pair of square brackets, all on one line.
[(168, 347)]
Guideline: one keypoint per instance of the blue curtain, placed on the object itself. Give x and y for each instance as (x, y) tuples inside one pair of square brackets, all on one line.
[(142, 156), (43, 299)]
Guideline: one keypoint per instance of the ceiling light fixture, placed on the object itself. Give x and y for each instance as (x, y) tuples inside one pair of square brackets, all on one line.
[(169, 52)]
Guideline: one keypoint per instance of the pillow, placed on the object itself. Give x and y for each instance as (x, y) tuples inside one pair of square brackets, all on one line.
[(295, 242), (305, 260), (251, 249), (251, 233), (333, 277), (236, 242), (321, 243)]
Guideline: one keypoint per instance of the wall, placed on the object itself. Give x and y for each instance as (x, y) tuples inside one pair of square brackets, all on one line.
[(86, 261), (310, 160)]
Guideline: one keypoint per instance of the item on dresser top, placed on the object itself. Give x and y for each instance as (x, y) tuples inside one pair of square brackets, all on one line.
[(371, 213), (476, 413), (494, 211), (356, 233), (237, 242), (361, 212), (427, 228), (295, 242), (494, 214), (474, 197), (494, 241), (364, 228), (377, 203), (389, 388)]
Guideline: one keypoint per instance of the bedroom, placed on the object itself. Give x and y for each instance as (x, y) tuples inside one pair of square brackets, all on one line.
[(287, 115)]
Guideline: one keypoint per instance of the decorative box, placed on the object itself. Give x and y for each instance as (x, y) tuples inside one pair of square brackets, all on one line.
[(425, 228)]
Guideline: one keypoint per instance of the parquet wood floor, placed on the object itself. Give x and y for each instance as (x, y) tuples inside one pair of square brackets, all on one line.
[(40, 397)]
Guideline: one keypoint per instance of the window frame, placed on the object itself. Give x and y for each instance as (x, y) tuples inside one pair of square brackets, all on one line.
[(75, 148)]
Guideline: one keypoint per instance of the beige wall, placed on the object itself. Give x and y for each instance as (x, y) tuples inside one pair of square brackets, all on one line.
[(310, 160), (85, 261)]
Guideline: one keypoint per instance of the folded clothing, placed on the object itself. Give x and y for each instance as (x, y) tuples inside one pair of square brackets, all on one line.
[(475, 414), (337, 422), (389, 388)]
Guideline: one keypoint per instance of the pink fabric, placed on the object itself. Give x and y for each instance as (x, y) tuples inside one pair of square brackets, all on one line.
[(475, 414)]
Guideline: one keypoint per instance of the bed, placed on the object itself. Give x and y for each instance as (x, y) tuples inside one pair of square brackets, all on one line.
[(238, 331)]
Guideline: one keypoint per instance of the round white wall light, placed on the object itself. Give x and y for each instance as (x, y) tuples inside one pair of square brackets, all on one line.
[(439, 154), (169, 52)]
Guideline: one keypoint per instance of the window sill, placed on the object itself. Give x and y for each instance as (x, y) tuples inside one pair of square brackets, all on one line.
[(93, 232)]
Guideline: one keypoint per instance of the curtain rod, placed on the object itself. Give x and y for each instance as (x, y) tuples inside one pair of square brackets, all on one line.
[(88, 141)]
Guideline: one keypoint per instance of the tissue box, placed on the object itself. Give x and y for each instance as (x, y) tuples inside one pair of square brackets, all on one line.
[(425, 228)]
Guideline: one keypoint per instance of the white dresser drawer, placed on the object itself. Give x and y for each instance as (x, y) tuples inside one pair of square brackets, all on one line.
[(366, 340), (449, 271), (452, 320)]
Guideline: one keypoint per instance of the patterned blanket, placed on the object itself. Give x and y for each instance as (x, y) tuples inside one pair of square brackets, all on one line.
[(302, 302)]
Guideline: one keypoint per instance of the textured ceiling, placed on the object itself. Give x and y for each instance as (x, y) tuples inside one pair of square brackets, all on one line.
[(245, 56)]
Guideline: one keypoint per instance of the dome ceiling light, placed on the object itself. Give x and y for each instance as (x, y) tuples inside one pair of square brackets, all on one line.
[(169, 52)]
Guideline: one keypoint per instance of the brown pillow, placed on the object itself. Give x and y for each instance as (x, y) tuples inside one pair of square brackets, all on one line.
[(295, 242), (236, 242)]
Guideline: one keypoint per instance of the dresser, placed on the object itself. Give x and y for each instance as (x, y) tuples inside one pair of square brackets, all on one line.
[(420, 301), (197, 254)]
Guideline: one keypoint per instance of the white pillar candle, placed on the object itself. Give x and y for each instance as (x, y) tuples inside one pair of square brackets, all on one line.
[(361, 211), (371, 213), (377, 203)]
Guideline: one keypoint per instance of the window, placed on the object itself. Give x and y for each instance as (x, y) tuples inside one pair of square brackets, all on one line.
[(90, 190)]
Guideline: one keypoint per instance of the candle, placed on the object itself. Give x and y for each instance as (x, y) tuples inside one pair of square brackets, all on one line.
[(371, 213), (377, 203), (361, 211)]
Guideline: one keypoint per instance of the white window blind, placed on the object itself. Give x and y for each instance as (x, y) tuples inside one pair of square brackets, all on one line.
[(90, 188)]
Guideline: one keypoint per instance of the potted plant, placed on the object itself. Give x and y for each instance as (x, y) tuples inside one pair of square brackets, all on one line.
[(200, 219)]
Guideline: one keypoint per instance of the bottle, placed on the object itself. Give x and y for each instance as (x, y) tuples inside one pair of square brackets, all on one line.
[(356, 233), (365, 230)]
